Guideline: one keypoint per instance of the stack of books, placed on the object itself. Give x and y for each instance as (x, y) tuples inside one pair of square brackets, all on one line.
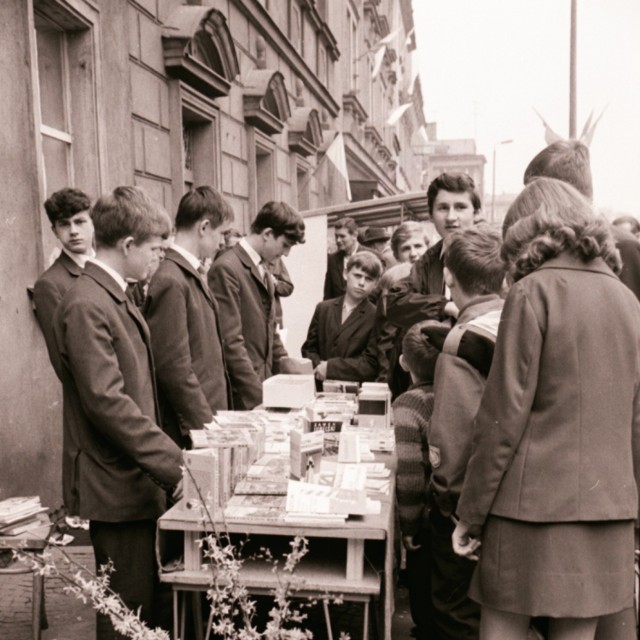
[(220, 459), (21, 514)]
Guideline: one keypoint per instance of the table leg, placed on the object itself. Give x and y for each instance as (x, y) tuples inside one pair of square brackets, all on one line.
[(38, 580), (327, 618), (192, 555), (355, 559), (176, 614), (365, 625)]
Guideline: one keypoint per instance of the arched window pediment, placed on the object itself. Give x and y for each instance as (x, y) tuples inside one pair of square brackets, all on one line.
[(199, 50), (305, 131), (266, 101)]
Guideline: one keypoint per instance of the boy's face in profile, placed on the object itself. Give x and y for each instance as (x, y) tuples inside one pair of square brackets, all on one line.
[(141, 258), (75, 232), (274, 246), (452, 211), (359, 284), (412, 248)]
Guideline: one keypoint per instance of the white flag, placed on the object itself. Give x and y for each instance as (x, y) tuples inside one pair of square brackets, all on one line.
[(389, 38), (336, 155), (377, 61), (397, 114)]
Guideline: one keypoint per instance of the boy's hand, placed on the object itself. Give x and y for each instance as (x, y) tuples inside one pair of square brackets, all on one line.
[(176, 493), (465, 541), (450, 309), (321, 371), (408, 543)]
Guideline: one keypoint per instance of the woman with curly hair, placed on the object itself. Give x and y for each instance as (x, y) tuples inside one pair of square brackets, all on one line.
[(550, 490)]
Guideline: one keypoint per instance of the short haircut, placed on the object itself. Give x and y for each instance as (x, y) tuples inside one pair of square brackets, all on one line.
[(203, 203), (347, 223), (405, 231), (66, 203), (232, 233), (550, 217), (420, 355), (566, 160), (128, 211), (454, 183), (282, 219), (473, 258), (367, 261), (394, 274), (630, 220)]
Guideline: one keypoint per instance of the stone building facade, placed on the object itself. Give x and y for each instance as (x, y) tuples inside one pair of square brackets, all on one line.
[(244, 95)]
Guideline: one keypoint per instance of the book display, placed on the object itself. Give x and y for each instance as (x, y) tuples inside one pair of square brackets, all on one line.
[(312, 472)]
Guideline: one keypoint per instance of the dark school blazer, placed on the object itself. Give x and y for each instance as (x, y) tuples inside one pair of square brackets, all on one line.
[(116, 459), (557, 435), (349, 348), (248, 322), (47, 293), (183, 319)]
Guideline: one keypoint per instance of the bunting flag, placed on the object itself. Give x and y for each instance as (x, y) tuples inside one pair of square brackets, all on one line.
[(337, 157), (407, 41), (550, 136), (377, 61), (589, 129), (388, 39), (397, 113)]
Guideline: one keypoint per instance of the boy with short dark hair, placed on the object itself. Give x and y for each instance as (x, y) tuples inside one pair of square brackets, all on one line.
[(474, 272), (411, 413), (341, 338), (118, 464), (183, 318), (68, 212), (244, 291)]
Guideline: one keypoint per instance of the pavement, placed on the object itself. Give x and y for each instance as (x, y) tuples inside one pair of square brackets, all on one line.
[(69, 619)]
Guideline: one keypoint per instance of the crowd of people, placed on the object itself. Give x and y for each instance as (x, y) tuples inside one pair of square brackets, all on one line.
[(513, 358)]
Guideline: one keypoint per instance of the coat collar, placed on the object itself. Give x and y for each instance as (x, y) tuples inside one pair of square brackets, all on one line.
[(187, 267), (566, 260), (246, 260), (70, 265), (99, 275)]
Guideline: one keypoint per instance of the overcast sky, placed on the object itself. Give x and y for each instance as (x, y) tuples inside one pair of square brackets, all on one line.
[(484, 65)]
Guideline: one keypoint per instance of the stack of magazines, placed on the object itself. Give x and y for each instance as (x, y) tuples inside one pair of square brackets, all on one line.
[(21, 514)]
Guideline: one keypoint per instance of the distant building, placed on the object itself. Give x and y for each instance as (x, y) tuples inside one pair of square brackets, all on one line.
[(456, 155)]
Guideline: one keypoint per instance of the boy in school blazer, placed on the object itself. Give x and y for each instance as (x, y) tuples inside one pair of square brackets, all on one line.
[(244, 290), (68, 212), (341, 339), (118, 464), (184, 321)]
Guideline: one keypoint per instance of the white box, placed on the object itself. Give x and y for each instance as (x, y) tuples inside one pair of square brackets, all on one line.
[(288, 391)]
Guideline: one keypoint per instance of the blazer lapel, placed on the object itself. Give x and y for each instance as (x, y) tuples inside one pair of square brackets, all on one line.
[(253, 268), (354, 318), (72, 267), (114, 289), (191, 272)]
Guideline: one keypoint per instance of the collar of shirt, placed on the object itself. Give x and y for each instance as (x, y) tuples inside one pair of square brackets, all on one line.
[(187, 255), (122, 283), (347, 309), (80, 258), (254, 255)]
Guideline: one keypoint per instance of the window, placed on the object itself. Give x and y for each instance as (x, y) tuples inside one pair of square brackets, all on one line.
[(322, 65), (55, 117), (265, 170), (303, 178), (195, 151), (352, 52), (66, 102), (295, 27)]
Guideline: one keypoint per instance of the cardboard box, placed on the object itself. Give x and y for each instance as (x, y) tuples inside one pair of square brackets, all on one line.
[(287, 391)]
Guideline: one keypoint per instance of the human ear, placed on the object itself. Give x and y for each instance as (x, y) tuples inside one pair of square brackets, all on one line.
[(449, 279), (402, 361), (126, 244)]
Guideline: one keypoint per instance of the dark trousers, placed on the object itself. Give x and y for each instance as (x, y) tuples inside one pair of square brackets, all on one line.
[(419, 583), (131, 548), (456, 616)]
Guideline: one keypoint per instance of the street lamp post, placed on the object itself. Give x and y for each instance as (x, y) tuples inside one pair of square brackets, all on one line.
[(493, 190)]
